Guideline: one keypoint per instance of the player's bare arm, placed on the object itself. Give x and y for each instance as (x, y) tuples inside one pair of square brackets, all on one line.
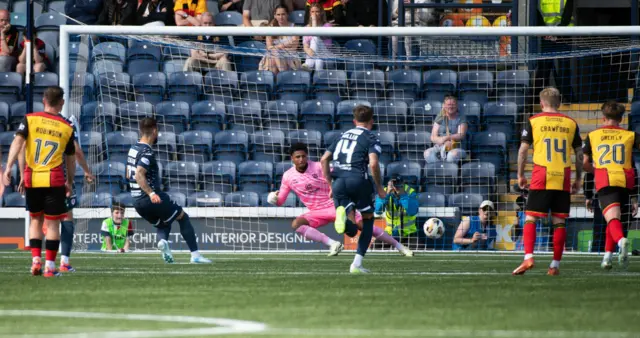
[(82, 161), (107, 241), (326, 169), (586, 163), (522, 162), (70, 163), (141, 179), (375, 172), (577, 183), (14, 152)]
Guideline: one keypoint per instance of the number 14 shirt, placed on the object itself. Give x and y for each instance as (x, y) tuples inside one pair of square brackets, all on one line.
[(552, 136), (611, 149)]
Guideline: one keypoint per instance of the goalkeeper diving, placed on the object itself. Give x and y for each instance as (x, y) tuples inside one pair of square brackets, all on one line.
[(306, 180)]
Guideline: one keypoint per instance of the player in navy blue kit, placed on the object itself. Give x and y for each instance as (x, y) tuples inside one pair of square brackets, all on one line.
[(152, 204), (351, 156)]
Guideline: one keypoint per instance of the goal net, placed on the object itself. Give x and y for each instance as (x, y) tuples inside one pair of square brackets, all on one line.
[(230, 101)]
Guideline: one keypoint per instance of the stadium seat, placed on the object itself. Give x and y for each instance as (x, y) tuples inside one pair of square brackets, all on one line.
[(312, 138), (475, 85), (218, 176), (391, 115), (125, 199), (119, 142), (184, 86), (140, 66), (195, 145), (79, 56), (165, 148), (220, 85), (5, 4), (245, 115), (500, 116), (10, 87), (173, 66), (251, 54), (412, 144), (267, 145), (297, 18), (130, 114), (144, 51), (19, 110), (441, 177), (411, 173), (280, 114), (279, 170), (290, 202), (424, 113), (330, 137), (110, 174), (468, 203), (4, 116), (432, 199), (513, 86), (14, 200), (101, 67), (329, 84), (478, 178), (41, 81), (242, 199), (228, 18), (257, 85), (317, 115), (205, 199), (231, 146), (490, 147), (255, 176), (367, 85), (57, 6), (293, 85), (91, 142), (361, 46), (178, 197), (5, 141), (98, 116), (87, 82), (208, 115), (110, 50), (18, 19), (344, 113), (181, 176), (437, 83), (471, 111), (114, 87), (150, 87), (48, 27), (173, 116), (21, 7), (403, 84), (388, 144)]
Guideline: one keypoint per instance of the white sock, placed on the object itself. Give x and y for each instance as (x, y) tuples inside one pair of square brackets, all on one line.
[(528, 256), (620, 242), (195, 254), (555, 264), (51, 265), (357, 261), (64, 259), (607, 256)]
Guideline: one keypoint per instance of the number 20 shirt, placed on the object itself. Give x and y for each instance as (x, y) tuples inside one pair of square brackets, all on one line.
[(611, 149)]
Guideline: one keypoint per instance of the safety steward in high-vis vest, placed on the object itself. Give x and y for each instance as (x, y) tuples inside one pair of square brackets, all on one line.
[(116, 230), (399, 207), (552, 11)]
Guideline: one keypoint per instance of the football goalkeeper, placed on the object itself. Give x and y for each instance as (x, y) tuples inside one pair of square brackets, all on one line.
[(116, 230)]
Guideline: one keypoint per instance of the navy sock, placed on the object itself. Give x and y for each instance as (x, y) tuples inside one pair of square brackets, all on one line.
[(188, 233), (365, 236), (66, 237), (351, 229), (163, 233)]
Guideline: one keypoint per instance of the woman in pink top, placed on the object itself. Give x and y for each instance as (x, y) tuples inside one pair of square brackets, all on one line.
[(316, 47)]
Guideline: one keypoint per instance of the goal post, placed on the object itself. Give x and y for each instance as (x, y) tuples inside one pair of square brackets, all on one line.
[(225, 137)]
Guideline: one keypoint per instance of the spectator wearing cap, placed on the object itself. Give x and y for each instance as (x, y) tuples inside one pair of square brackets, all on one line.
[(399, 208), (476, 232)]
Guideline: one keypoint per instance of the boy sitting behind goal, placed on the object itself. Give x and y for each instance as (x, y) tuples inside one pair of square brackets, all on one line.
[(116, 230)]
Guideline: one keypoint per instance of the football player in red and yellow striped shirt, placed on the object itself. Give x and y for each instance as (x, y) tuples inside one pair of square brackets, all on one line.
[(610, 148), (552, 136)]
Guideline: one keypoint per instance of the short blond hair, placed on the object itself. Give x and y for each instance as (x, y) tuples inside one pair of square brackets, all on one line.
[(551, 96)]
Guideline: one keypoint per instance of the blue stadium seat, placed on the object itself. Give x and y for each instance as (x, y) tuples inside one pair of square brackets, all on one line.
[(245, 115), (41, 81), (312, 138), (205, 199), (361, 46), (109, 51), (242, 199), (290, 202), (280, 114), (367, 85), (388, 145), (412, 144), (178, 197), (317, 115), (330, 137), (255, 176), (231, 146), (110, 175), (20, 6), (10, 87), (150, 87), (91, 142), (218, 176), (97, 200), (391, 115), (490, 147), (5, 141), (441, 177), (119, 142), (208, 115), (424, 113), (113, 87), (220, 85), (130, 114), (500, 116), (228, 18), (437, 83), (56, 5), (403, 84), (101, 67), (98, 116), (257, 85), (279, 170), (293, 85), (468, 203), (173, 66), (19, 110), (478, 178), (344, 113), (4, 116), (173, 116), (14, 200), (181, 176), (78, 56), (166, 146), (475, 85), (195, 145), (125, 199), (184, 86), (5, 4), (330, 84), (268, 145), (513, 86), (48, 27), (87, 82), (251, 52), (432, 199), (112, 189), (411, 173), (144, 51), (297, 18), (471, 110)]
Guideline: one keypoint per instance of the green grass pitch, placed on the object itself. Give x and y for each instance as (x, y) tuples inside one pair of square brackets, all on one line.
[(310, 295)]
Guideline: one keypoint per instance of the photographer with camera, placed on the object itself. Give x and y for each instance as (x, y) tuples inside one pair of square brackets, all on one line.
[(476, 232), (400, 208)]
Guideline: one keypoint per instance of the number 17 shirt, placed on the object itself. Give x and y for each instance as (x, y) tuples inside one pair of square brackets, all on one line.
[(552, 136), (611, 149)]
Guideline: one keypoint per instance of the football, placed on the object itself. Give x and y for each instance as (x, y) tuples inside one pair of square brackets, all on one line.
[(433, 228)]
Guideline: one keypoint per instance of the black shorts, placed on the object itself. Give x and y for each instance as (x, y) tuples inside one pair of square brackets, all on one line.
[(48, 201), (614, 196), (541, 202), (159, 215), (353, 191)]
